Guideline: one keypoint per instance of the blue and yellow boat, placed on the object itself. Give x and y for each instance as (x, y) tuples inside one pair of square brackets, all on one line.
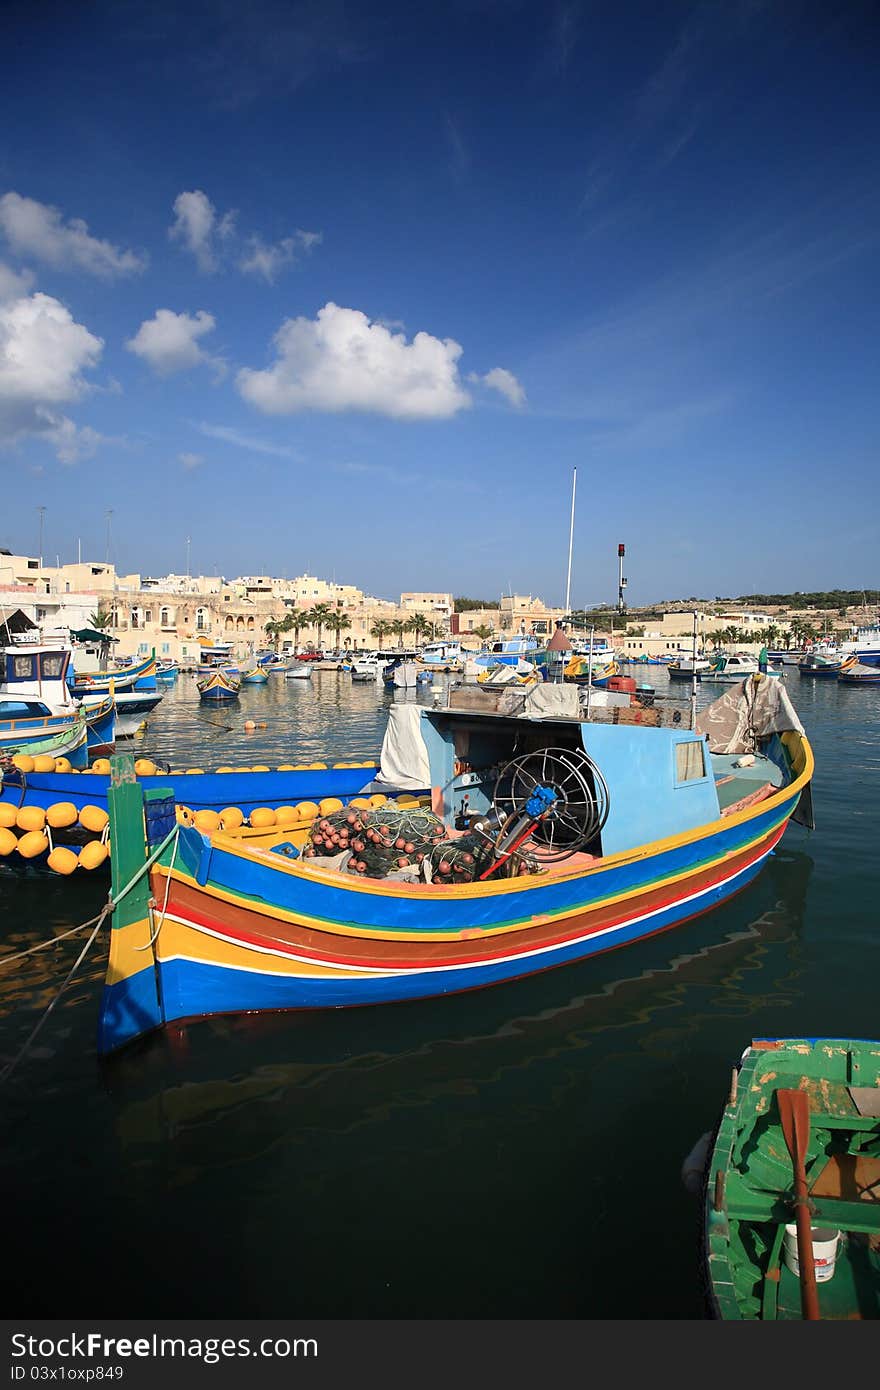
[(551, 839), (219, 687)]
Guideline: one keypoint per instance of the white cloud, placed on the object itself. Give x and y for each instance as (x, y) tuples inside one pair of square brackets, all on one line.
[(36, 229), (196, 224), (43, 355), (213, 240), (342, 361), (14, 284), (169, 341), (246, 441), (73, 442), (261, 259), (190, 461), (499, 379)]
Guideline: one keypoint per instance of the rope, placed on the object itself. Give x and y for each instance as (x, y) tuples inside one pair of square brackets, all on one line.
[(10, 1067), (152, 940), (111, 904)]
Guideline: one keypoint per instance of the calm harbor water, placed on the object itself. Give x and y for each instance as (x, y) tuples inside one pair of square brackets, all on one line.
[(512, 1153)]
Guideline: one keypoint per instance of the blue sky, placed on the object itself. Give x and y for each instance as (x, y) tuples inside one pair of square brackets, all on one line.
[(355, 288)]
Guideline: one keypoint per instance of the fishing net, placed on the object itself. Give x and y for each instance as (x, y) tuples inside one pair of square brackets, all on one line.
[(411, 842)]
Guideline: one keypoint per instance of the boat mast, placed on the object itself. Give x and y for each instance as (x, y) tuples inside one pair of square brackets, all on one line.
[(694, 677), (574, 477)]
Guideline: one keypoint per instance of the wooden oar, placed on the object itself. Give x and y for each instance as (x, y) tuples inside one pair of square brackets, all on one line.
[(794, 1114)]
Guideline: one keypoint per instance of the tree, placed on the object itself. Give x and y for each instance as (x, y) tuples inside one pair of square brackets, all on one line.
[(419, 626), (102, 619), (380, 629), (340, 622), (318, 617), (398, 626), (274, 628), (295, 619), (484, 632)]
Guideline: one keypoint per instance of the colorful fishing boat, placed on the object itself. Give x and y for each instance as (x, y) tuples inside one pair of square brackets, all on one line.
[(821, 663), (550, 839), (731, 669), (100, 712), (167, 672), (579, 668), (854, 672), (69, 745), (800, 1133), (37, 711), (219, 687), (121, 679), (257, 675), (686, 667)]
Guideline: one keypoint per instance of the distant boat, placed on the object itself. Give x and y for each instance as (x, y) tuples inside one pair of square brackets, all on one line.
[(865, 646), (854, 672), (167, 672), (256, 676), (219, 688), (686, 667), (728, 670), (820, 663), (299, 671)]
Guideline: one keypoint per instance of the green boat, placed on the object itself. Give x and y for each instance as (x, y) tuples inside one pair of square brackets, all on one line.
[(795, 1162)]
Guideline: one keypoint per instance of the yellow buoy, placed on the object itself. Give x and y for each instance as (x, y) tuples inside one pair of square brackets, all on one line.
[(145, 767), (23, 761), (262, 816), (307, 809), (8, 841), (63, 860), (93, 818), (361, 803), (101, 765), (407, 801), (62, 814), (206, 820), (93, 854), (378, 799), (286, 815), (249, 724), (342, 764), (33, 843), (231, 818), (194, 771), (329, 804), (30, 818), (63, 765), (226, 769), (8, 814), (184, 815), (321, 767), (286, 767), (44, 762), (259, 767)]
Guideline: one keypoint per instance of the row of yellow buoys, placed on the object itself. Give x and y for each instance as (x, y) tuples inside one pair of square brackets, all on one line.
[(145, 767), (36, 823), (280, 817)]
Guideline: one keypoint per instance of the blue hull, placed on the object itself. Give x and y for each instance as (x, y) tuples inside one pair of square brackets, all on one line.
[(209, 791)]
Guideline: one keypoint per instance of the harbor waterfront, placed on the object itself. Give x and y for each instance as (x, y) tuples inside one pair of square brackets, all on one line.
[(483, 1155)]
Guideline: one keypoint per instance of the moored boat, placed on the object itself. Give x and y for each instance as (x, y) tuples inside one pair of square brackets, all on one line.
[(686, 667), (256, 676), (218, 687), (800, 1132), (731, 669), (100, 712), (549, 838), (298, 671), (854, 672)]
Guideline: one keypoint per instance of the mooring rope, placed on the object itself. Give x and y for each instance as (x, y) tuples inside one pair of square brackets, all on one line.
[(111, 904)]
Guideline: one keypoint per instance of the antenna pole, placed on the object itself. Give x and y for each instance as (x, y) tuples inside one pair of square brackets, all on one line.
[(574, 478), (42, 511), (694, 678)]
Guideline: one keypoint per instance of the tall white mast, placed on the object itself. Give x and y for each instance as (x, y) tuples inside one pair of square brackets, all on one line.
[(574, 478)]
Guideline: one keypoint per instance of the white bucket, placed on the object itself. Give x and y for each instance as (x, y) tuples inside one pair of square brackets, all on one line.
[(825, 1242)]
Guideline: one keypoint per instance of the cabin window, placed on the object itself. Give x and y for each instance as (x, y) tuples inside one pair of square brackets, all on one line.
[(24, 668), (690, 764), (51, 667)]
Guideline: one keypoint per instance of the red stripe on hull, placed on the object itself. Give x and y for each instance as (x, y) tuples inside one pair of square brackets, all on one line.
[(242, 926)]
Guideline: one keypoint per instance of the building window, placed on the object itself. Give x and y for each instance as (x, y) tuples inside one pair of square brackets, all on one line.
[(33, 564), (166, 648), (164, 620), (201, 619), (142, 647), (148, 615)]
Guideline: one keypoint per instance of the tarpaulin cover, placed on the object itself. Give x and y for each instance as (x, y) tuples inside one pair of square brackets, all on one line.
[(746, 713)]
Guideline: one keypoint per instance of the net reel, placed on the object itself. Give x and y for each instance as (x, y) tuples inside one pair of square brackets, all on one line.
[(578, 811)]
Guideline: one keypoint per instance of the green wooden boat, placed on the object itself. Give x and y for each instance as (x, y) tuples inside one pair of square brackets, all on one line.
[(750, 1194)]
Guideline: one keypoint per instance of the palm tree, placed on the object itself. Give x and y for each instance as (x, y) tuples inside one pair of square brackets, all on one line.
[(380, 630), (419, 626), (484, 632), (274, 628), (294, 621), (340, 622), (398, 626), (318, 617), (102, 619)]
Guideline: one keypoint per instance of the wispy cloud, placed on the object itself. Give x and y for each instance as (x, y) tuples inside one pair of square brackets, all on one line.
[(459, 155), (239, 440)]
